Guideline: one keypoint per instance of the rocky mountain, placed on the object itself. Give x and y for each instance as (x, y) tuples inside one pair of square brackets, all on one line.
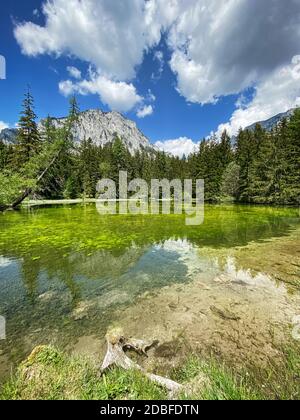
[(272, 122), (8, 135), (101, 127), (104, 127)]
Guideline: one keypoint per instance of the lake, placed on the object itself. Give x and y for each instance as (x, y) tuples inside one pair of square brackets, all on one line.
[(68, 273)]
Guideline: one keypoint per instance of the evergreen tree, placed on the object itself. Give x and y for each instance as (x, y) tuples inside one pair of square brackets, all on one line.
[(244, 158), (28, 137), (48, 130), (119, 158), (261, 167), (261, 176), (292, 155), (74, 112), (230, 181), (89, 167), (6, 155)]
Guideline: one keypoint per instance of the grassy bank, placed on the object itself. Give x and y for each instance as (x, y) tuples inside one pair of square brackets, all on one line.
[(49, 374)]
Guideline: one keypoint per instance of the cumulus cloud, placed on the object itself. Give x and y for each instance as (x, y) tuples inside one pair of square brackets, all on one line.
[(218, 47), (74, 72), (145, 111), (3, 125), (275, 94), (119, 96), (112, 35), (67, 87), (178, 147), (221, 47)]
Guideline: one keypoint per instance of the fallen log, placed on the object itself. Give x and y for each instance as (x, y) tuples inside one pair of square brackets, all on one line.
[(117, 344), (28, 191)]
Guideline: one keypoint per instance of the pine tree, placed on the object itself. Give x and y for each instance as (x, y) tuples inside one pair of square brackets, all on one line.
[(28, 137), (48, 130), (6, 154), (292, 174), (119, 158), (225, 150), (244, 158), (261, 173), (74, 112), (230, 181), (89, 167)]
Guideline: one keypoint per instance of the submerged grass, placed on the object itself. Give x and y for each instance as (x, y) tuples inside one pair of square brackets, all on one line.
[(49, 374)]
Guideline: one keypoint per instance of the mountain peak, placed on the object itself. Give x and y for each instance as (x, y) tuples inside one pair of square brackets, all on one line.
[(270, 123), (103, 127)]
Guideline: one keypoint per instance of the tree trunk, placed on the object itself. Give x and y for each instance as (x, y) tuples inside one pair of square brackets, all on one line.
[(28, 191), (116, 357)]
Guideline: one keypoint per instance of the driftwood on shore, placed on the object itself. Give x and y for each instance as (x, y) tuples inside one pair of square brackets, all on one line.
[(117, 344)]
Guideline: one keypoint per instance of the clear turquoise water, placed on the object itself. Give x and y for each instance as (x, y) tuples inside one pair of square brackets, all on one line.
[(58, 259)]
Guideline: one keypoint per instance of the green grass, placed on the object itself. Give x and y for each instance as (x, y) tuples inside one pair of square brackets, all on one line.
[(213, 381), (49, 374), (282, 381)]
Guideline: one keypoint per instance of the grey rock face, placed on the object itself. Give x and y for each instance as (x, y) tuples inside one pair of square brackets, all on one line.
[(8, 135), (103, 127), (272, 122)]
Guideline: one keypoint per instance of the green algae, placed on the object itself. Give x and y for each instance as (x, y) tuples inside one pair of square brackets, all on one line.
[(65, 271)]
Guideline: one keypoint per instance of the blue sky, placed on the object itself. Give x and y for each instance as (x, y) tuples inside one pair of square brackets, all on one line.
[(182, 62)]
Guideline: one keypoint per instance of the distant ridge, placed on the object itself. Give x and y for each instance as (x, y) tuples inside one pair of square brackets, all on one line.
[(273, 121), (101, 127)]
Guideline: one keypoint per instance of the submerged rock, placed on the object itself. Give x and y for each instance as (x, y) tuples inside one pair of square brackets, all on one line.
[(224, 314)]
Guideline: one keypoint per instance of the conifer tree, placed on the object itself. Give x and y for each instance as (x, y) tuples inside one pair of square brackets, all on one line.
[(28, 137)]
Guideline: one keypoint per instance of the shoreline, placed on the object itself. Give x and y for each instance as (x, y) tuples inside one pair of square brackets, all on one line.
[(37, 203)]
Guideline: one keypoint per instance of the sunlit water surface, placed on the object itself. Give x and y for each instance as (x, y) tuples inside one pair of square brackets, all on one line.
[(65, 272)]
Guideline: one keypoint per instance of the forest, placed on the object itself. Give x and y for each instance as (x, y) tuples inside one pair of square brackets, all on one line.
[(257, 166)]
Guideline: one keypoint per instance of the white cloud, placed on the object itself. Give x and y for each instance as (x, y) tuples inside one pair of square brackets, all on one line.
[(159, 57), (74, 72), (279, 92), (145, 111), (67, 87), (119, 96), (218, 47), (151, 97), (112, 35), (178, 147), (221, 47), (3, 125)]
